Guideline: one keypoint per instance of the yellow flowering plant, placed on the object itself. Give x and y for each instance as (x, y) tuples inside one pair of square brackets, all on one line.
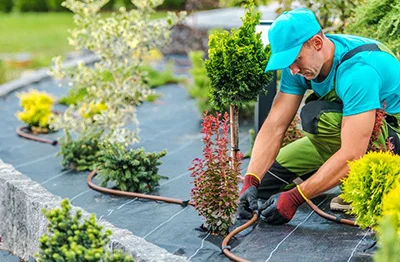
[(37, 108)]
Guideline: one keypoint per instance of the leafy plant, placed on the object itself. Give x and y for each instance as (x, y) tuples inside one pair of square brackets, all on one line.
[(379, 20), (71, 238), (75, 95), (156, 78), (389, 241), (91, 109), (334, 16), (121, 41), (37, 108), (215, 190), (132, 170), (82, 153), (368, 180)]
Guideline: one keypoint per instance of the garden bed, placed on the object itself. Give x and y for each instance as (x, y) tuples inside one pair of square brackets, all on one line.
[(173, 123)]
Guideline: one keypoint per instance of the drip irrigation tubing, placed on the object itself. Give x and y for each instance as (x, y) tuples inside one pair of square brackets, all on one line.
[(132, 194), (25, 132)]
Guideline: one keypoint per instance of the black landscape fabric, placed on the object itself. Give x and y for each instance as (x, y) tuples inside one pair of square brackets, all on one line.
[(173, 123)]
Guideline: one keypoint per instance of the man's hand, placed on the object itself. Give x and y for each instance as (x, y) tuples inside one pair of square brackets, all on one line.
[(280, 208), (248, 197)]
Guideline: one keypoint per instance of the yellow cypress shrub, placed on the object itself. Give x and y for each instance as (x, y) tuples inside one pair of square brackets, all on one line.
[(36, 108)]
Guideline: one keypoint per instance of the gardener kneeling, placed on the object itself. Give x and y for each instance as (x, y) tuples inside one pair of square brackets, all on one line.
[(351, 78)]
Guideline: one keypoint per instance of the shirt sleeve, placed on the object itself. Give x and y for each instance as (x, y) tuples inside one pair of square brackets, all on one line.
[(358, 87), (292, 84)]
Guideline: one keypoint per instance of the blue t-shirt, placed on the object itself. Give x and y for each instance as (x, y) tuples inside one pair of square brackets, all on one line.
[(368, 80)]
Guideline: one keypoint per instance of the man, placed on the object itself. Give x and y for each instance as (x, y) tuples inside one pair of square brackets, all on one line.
[(351, 78)]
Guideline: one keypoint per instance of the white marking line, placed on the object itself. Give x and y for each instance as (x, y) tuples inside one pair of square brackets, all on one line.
[(165, 222), (35, 161), (202, 244), (181, 148), (54, 177), (130, 201), (75, 197), (359, 242), (291, 232), (175, 178)]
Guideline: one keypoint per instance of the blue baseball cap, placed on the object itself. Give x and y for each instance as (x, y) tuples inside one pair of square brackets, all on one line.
[(287, 35)]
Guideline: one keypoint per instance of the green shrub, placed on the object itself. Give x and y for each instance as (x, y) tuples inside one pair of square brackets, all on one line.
[(389, 241), (391, 206), (380, 20), (72, 238), (236, 63), (75, 95), (82, 153), (154, 78), (6, 6), (368, 180), (30, 6), (200, 88), (132, 170)]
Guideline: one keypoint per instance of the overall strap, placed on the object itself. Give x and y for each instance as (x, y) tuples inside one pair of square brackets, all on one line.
[(361, 48)]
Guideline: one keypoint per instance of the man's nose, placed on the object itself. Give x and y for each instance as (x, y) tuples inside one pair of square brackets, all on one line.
[(294, 69)]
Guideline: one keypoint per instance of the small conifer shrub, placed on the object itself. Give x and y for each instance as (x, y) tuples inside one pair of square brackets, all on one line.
[(132, 170), (71, 238), (215, 190), (369, 179)]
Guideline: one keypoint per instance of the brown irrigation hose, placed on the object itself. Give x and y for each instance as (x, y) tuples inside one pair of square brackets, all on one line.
[(226, 248), (330, 217), (131, 194), (25, 133)]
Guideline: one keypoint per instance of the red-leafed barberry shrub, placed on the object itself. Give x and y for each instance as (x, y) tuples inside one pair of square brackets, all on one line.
[(376, 142), (215, 190)]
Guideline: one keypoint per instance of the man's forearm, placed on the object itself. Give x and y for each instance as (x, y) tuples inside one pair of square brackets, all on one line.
[(266, 148), (328, 175)]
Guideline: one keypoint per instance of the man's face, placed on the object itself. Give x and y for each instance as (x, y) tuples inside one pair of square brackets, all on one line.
[(308, 63)]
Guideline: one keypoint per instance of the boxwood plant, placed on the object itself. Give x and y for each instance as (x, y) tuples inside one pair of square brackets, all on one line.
[(132, 170), (72, 238)]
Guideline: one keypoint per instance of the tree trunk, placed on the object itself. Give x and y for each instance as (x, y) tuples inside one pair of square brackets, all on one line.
[(234, 117)]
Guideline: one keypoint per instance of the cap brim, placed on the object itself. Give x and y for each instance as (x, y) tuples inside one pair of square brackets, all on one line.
[(283, 59)]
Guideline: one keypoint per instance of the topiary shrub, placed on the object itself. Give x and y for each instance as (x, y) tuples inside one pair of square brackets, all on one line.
[(368, 180), (215, 190), (236, 66), (71, 238), (82, 153), (37, 109), (132, 170)]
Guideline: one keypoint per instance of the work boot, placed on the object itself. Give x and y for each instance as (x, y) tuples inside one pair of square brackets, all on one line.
[(338, 204)]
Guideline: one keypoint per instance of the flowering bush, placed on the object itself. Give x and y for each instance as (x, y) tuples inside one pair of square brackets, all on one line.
[(369, 179), (91, 109), (120, 41), (215, 190), (131, 170), (70, 239), (37, 108)]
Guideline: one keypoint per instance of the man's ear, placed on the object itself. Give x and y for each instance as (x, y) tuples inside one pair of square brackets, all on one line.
[(317, 42)]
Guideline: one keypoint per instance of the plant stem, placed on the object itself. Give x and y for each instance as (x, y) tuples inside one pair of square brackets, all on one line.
[(234, 116)]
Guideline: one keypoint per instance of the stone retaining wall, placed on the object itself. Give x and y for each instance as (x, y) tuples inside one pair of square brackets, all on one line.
[(22, 222)]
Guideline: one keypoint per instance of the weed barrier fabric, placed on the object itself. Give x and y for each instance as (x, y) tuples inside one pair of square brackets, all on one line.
[(173, 123)]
